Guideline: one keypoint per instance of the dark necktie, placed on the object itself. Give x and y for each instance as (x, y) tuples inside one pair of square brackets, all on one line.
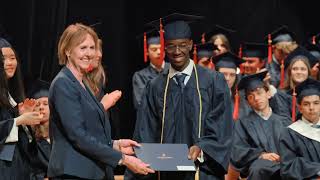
[(180, 80), (315, 126)]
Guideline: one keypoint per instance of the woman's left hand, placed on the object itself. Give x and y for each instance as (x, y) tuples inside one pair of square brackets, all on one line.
[(111, 99), (125, 146)]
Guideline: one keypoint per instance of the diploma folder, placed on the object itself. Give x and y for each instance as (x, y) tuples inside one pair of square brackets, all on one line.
[(165, 157)]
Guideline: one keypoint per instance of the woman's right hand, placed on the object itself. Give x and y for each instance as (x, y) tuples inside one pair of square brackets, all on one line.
[(27, 105), (136, 165), (29, 118)]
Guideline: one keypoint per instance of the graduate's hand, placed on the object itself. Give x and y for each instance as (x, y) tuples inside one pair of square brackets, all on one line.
[(136, 165), (315, 70), (266, 79), (125, 146), (194, 152), (29, 118), (110, 99), (270, 156), (27, 105)]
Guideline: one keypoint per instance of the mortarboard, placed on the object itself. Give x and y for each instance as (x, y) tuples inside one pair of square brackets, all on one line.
[(282, 34), (39, 89), (315, 39), (250, 49), (307, 88), (150, 36), (227, 60), (251, 82), (4, 43), (300, 51), (314, 50), (217, 29), (176, 25), (205, 50)]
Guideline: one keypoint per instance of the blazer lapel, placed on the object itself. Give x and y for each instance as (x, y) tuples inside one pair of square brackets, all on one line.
[(86, 93)]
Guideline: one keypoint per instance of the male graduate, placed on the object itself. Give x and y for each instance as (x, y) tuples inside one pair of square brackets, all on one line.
[(300, 142), (282, 43), (156, 66), (188, 104), (255, 150)]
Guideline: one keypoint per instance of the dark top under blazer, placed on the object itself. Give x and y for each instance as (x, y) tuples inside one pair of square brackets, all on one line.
[(79, 131)]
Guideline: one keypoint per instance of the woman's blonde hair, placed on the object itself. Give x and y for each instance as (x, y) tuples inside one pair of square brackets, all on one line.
[(286, 47), (72, 36), (289, 84), (96, 78)]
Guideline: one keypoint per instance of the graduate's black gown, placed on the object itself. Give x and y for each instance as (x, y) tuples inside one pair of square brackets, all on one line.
[(254, 135), (140, 80), (181, 120), (274, 70), (300, 156), (44, 149), (25, 152)]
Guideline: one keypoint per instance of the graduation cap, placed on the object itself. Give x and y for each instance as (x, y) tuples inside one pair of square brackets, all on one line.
[(217, 29), (251, 82), (4, 43), (176, 25), (205, 50), (39, 89), (308, 87), (250, 49), (150, 35), (315, 39), (300, 51), (314, 50), (282, 34), (227, 60)]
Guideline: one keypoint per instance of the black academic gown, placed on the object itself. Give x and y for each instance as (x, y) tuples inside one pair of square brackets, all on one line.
[(181, 121), (140, 80), (24, 151), (254, 135), (300, 156), (44, 149), (274, 70)]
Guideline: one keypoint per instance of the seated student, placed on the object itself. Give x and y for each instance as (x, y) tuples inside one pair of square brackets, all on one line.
[(40, 93), (255, 151), (157, 65), (300, 142), (228, 63), (282, 43), (204, 55), (253, 54)]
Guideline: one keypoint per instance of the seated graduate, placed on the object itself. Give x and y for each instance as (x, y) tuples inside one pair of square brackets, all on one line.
[(228, 63), (300, 142), (282, 42), (188, 104), (40, 92), (204, 55), (255, 151), (156, 66)]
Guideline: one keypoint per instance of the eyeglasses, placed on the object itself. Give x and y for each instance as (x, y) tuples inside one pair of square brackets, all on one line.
[(172, 47)]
